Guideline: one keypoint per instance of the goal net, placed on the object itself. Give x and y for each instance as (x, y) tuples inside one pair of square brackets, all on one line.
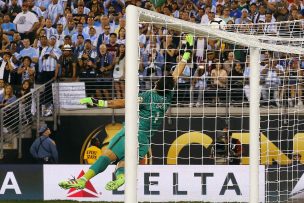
[(235, 129)]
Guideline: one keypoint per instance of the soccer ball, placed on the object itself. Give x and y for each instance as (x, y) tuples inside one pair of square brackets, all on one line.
[(218, 23)]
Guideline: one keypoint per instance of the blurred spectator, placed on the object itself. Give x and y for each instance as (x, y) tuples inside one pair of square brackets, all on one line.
[(17, 40), (270, 79), (87, 57), (8, 69), (295, 77), (8, 28), (26, 22), (93, 36), (48, 28), (270, 27), (121, 36), (79, 45), (13, 9), (169, 52), (226, 15), (44, 148), (229, 63), (54, 11), (104, 67), (122, 24), (35, 9), (93, 152), (26, 71), (205, 18), (90, 24), (1, 86), (81, 10), (59, 35), (4, 41), (70, 29), (104, 38), (253, 11), (260, 16), (210, 61), (43, 4), (218, 81), (112, 47), (199, 84), (68, 17), (49, 61), (237, 82), (219, 10), (244, 19), (79, 32), (29, 51), (26, 102), (40, 43), (119, 73), (25, 88), (68, 64), (235, 12), (7, 97)]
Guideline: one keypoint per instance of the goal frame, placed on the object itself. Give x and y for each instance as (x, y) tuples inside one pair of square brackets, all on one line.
[(133, 14)]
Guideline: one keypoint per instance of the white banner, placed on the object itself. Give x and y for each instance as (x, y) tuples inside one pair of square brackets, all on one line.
[(159, 183), (68, 94)]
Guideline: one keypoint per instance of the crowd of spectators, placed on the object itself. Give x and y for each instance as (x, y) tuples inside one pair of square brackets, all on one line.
[(78, 40)]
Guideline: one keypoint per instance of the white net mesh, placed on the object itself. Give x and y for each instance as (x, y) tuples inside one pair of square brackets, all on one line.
[(207, 125)]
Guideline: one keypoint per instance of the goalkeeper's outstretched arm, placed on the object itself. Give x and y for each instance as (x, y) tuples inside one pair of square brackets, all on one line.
[(186, 56), (114, 104)]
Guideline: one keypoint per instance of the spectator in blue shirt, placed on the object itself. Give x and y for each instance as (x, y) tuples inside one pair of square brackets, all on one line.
[(79, 32), (8, 27), (235, 12), (29, 51)]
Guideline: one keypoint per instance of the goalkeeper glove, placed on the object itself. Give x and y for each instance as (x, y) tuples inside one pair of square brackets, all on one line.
[(94, 102), (188, 48), (189, 40)]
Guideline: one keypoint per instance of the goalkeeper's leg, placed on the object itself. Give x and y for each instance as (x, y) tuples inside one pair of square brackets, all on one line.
[(98, 167), (115, 151), (120, 169), (119, 177)]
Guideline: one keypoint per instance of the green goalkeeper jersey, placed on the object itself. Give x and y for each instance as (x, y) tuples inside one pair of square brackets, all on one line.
[(152, 109)]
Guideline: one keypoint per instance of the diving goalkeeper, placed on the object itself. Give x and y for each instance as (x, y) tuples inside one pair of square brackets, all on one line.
[(152, 108)]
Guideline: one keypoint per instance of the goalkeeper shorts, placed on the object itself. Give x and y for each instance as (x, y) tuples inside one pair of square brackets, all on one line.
[(117, 145)]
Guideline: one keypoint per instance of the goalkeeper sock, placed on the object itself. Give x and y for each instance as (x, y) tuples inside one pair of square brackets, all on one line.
[(100, 165), (120, 171), (89, 174)]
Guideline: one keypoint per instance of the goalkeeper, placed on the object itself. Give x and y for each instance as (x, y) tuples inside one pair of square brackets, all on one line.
[(152, 108)]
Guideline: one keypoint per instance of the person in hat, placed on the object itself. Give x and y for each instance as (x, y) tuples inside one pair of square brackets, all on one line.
[(44, 149), (67, 63)]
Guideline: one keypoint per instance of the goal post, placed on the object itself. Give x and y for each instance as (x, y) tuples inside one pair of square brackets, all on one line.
[(131, 106), (256, 44)]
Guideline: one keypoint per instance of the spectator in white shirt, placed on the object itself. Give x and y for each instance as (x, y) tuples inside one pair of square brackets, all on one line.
[(35, 9), (26, 23), (54, 11), (270, 78), (60, 35), (68, 16), (270, 27)]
